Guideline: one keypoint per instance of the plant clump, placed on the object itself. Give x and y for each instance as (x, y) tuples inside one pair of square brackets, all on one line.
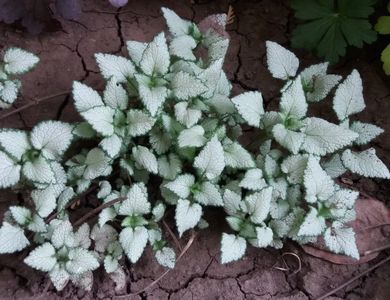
[(166, 119)]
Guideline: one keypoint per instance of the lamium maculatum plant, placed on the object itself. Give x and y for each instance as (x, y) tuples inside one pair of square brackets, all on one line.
[(13, 63), (164, 134)]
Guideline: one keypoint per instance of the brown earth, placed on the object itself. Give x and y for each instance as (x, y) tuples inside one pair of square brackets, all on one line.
[(68, 55)]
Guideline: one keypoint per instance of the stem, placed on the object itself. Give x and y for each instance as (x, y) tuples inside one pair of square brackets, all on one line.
[(97, 210), (383, 261), (53, 216), (377, 249), (173, 236), (32, 103)]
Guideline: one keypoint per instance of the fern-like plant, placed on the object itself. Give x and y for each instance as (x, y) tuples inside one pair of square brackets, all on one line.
[(166, 119), (330, 26), (383, 27)]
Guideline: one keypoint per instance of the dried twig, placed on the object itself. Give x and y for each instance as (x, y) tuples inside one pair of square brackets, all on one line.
[(173, 236), (185, 249), (53, 216), (345, 284), (377, 249), (32, 103), (97, 210), (47, 287), (287, 268)]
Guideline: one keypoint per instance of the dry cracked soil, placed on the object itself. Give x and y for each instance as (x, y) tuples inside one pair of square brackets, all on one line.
[(67, 55)]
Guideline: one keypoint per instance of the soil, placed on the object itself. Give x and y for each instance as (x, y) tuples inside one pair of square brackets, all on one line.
[(67, 55)]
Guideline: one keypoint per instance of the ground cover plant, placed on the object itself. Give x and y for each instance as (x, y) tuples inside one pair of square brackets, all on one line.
[(166, 115)]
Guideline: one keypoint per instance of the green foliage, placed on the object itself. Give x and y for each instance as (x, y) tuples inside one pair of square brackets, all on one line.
[(330, 26), (383, 27), (164, 132)]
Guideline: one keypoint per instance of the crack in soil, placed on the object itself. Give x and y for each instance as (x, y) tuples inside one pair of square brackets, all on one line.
[(119, 30)]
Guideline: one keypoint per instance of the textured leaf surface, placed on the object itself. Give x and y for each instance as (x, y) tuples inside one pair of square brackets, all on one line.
[(232, 247), (169, 166), (293, 101), (44, 201), (8, 92), (139, 122), (341, 240), (250, 107), (166, 257), (259, 204), (187, 215), (348, 99), (334, 166), (264, 236), (60, 277), (185, 86), (42, 258), (145, 158), (177, 26), (282, 63), (289, 139), (231, 202), (192, 137), (183, 46), (136, 49), (365, 163), (209, 194), (237, 156), (181, 186), (115, 96), (9, 171), (367, 132), (81, 261), (52, 138), (210, 160), (111, 145), (14, 142), (20, 214), (294, 167), (186, 115), (18, 61), (313, 224), (12, 238), (101, 119), (116, 67), (323, 137), (85, 97), (98, 164), (38, 170), (133, 242), (318, 184), (152, 97), (155, 59), (253, 180), (137, 201)]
